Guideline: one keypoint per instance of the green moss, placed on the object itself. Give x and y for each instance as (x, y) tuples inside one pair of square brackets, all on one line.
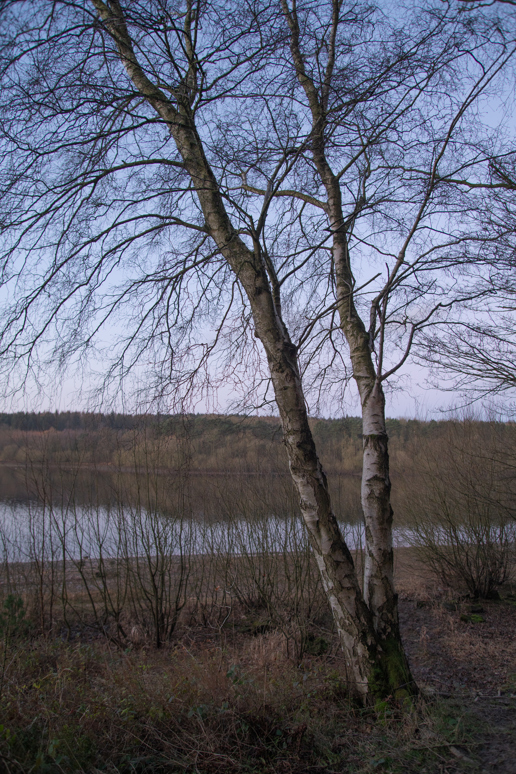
[(391, 675), (473, 618), (315, 646)]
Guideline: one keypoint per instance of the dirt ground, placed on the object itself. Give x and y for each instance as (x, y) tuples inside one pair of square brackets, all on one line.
[(464, 650)]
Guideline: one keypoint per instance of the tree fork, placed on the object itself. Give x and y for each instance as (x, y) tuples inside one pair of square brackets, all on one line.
[(375, 671), (379, 591)]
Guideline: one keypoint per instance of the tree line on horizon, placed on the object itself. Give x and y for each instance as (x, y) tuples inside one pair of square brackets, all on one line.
[(197, 424), (214, 442)]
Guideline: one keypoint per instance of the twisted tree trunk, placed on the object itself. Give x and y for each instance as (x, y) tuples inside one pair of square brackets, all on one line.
[(369, 662)]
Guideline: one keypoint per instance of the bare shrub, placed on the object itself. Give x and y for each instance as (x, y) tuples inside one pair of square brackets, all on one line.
[(266, 561), (462, 521), (131, 552)]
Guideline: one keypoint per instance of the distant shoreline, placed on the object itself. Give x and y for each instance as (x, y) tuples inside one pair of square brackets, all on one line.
[(108, 467)]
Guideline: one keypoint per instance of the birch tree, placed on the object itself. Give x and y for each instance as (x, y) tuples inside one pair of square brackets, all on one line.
[(473, 352), (193, 165)]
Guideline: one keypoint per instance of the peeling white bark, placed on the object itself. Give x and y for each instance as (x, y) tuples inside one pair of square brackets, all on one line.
[(352, 615), (375, 491)]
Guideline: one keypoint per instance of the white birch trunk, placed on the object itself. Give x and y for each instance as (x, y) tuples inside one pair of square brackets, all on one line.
[(375, 492), (379, 590), (369, 670)]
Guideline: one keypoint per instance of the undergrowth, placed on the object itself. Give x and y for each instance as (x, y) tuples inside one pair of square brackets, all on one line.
[(238, 707)]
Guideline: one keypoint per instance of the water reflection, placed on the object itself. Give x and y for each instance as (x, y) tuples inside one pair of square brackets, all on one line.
[(66, 513), (52, 532)]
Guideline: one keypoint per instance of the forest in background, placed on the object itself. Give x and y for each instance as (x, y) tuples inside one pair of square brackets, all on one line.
[(223, 443), (199, 462)]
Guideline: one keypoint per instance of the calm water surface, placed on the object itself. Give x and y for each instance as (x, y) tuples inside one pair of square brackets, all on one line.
[(92, 513)]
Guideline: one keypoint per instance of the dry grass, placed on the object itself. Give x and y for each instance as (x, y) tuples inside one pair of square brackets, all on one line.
[(81, 708), (238, 700)]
